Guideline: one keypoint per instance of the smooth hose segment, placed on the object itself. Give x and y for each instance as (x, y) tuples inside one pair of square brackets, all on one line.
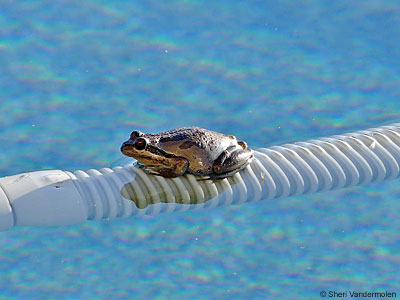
[(60, 198)]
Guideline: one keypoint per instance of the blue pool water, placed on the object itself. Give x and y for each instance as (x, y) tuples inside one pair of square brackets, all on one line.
[(76, 77)]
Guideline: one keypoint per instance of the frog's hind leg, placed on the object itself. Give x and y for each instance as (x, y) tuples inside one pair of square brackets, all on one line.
[(230, 161)]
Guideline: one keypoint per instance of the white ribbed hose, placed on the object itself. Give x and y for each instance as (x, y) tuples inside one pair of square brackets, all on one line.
[(59, 198)]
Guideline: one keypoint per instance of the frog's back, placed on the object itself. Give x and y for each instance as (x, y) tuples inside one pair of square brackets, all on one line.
[(200, 146)]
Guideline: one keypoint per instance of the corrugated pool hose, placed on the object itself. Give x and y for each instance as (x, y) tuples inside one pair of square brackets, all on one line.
[(55, 197)]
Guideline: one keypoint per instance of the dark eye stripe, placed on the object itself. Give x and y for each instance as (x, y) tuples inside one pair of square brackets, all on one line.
[(159, 151)]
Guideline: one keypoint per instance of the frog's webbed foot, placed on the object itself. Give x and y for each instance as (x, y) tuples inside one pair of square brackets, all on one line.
[(231, 161)]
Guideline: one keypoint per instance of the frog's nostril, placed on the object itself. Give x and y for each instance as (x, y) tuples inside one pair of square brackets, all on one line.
[(125, 145)]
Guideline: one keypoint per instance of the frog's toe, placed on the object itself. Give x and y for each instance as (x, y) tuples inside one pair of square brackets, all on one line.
[(216, 176), (203, 177), (242, 144)]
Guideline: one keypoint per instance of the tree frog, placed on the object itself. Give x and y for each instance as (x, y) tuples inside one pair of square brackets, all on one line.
[(191, 150)]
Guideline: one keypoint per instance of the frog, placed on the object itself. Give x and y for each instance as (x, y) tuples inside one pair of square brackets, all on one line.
[(194, 150)]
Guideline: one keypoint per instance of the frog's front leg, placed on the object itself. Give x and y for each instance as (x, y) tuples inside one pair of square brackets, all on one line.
[(175, 167), (230, 161)]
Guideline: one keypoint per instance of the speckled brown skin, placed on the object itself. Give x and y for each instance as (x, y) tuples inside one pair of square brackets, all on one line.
[(189, 149)]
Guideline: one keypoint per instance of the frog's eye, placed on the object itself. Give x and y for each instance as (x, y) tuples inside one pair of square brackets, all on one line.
[(135, 134), (140, 144)]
